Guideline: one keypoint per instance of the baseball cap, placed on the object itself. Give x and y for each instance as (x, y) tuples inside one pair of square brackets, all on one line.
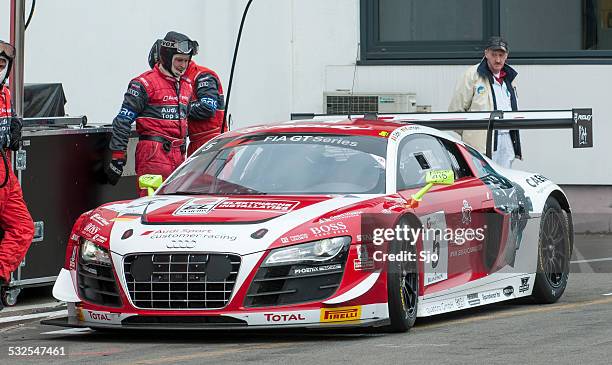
[(497, 43)]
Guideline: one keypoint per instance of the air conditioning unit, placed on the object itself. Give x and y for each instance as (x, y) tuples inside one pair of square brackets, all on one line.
[(338, 102)]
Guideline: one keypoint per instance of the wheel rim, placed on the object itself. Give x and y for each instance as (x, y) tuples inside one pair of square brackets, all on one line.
[(409, 291), (553, 249)]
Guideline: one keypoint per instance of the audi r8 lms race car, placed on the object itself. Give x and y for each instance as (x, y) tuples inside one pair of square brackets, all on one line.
[(320, 223)]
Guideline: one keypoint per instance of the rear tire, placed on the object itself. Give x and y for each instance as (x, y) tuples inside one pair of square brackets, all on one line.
[(554, 250), (402, 288)]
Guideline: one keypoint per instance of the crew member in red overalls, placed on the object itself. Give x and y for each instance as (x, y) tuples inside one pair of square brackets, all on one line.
[(158, 101), (16, 226), (207, 106)]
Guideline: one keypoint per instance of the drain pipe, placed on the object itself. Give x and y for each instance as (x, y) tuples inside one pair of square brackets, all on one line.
[(18, 41)]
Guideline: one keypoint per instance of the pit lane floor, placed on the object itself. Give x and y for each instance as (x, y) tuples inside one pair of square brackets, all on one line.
[(577, 329)]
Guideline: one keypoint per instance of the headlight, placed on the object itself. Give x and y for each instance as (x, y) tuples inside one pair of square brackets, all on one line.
[(90, 252), (316, 251)]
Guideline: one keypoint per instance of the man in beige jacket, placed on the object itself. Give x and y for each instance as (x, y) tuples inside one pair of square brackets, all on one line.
[(489, 86)]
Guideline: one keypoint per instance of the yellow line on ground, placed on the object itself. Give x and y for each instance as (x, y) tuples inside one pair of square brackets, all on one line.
[(511, 313), (208, 354)]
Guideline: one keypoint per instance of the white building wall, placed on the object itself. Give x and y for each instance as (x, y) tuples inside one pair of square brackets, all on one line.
[(291, 52)]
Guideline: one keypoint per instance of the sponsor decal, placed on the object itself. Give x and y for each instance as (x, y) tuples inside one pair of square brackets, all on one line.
[(73, 258), (314, 269), (460, 302), (491, 296), (127, 113), (508, 291), (181, 244), (284, 317), (364, 237), (524, 285), (210, 102), (395, 135), (100, 220), (210, 145), (436, 269), (187, 234), (282, 206), (91, 228), (536, 180), (582, 128), (443, 306), (466, 251), (329, 229), (466, 213), (384, 134), (340, 314), (97, 238), (312, 139), (363, 261), (198, 206), (95, 316), (294, 238), (473, 299), (341, 216)]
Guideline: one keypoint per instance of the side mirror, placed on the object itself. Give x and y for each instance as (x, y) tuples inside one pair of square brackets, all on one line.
[(433, 177), (150, 182)]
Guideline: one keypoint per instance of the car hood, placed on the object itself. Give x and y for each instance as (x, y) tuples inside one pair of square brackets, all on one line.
[(219, 209), (214, 224)]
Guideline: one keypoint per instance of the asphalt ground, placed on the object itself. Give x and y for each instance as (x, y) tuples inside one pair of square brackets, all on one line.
[(575, 330)]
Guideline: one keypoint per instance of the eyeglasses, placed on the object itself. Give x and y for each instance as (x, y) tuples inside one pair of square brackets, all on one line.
[(184, 47), (7, 50)]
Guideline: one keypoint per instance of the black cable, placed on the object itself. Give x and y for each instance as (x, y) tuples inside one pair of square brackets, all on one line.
[(31, 13), (229, 88)]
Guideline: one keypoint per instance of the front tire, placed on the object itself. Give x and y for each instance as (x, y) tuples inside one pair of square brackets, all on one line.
[(402, 288), (554, 250)]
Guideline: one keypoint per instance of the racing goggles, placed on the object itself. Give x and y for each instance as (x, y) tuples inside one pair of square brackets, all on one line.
[(7, 50), (184, 47)]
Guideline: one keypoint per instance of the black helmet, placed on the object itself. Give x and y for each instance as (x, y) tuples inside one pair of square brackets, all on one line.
[(7, 51), (154, 54), (175, 43)]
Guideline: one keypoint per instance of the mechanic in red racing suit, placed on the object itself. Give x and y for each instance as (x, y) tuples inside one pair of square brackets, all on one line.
[(207, 106), (158, 101), (16, 224)]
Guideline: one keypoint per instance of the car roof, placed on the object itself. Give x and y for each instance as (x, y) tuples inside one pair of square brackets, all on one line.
[(357, 127)]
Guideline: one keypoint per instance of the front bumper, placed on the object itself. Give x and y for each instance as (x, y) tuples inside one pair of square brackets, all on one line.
[(341, 311), (72, 322)]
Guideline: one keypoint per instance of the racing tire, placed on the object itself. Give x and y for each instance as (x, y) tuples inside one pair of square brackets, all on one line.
[(554, 251), (402, 288)]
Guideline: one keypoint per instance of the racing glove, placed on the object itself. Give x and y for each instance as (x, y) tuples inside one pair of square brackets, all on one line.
[(114, 170), (15, 133), (5, 135)]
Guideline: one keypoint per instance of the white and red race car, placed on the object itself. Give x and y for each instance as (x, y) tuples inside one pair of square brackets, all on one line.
[(319, 224)]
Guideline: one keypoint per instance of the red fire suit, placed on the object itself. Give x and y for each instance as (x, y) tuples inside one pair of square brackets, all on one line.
[(15, 220), (158, 104), (207, 106)]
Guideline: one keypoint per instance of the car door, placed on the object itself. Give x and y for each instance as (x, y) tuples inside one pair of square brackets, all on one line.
[(507, 211), (444, 211)]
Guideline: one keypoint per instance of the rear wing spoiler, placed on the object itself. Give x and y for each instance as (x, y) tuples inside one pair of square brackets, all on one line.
[(579, 120)]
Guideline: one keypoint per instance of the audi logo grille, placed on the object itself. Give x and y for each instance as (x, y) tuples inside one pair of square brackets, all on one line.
[(181, 244), (180, 280)]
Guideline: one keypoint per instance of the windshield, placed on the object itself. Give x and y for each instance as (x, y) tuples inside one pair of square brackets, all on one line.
[(284, 164)]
